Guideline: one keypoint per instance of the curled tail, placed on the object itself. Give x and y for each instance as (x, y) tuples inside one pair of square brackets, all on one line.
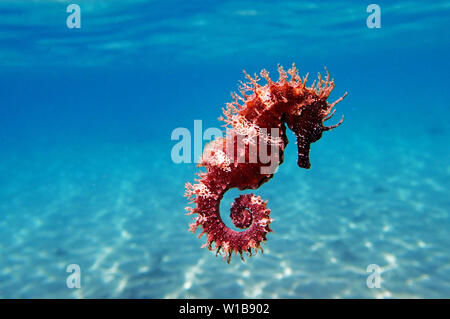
[(248, 212)]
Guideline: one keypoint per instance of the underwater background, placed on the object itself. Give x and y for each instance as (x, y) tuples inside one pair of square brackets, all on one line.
[(87, 178)]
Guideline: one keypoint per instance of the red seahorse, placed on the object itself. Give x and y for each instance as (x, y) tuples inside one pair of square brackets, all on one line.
[(256, 127)]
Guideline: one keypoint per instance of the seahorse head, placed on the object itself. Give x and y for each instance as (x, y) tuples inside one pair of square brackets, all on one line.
[(307, 123)]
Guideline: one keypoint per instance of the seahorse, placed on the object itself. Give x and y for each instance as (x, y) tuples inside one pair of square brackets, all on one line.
[(255, 124)]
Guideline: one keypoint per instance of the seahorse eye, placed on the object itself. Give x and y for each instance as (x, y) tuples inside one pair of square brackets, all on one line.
[(317, 133)]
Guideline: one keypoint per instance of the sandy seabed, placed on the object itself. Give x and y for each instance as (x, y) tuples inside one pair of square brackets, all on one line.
[(117, 210)]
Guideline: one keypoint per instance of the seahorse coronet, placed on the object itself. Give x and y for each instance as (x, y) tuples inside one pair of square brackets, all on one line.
[(255, 124)]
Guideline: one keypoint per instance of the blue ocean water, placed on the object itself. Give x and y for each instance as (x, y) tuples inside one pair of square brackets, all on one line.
[(87, 177)]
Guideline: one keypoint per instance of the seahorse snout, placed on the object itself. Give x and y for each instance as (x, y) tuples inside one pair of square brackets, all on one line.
[(303, 147)]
